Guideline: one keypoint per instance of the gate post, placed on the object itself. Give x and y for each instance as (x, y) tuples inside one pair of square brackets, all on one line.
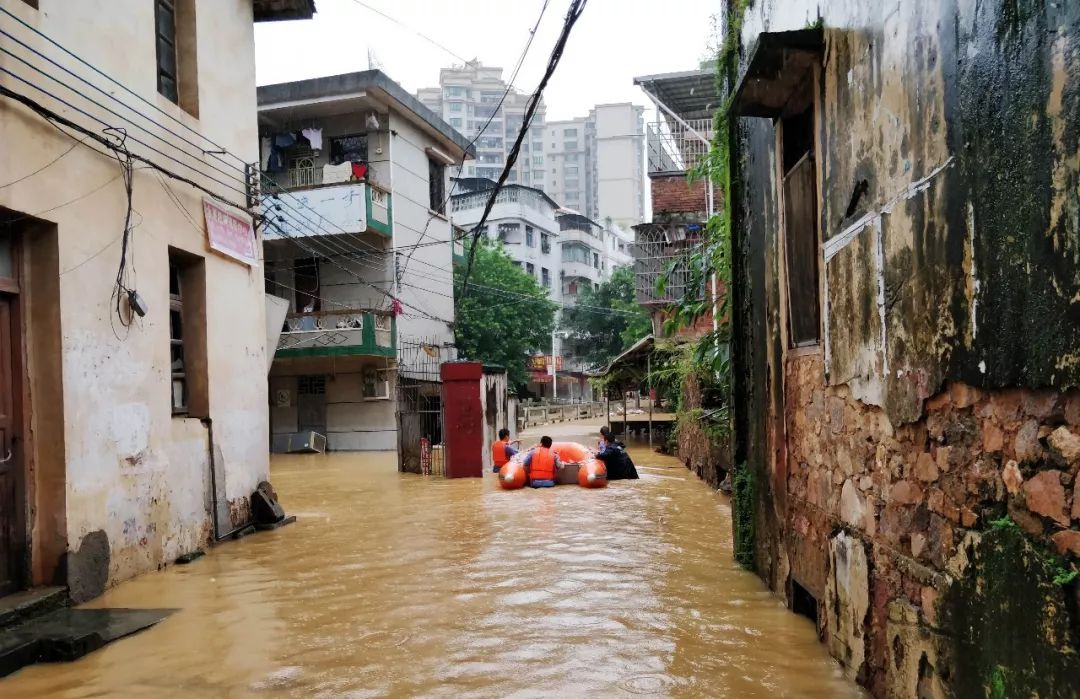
[(463, 419)]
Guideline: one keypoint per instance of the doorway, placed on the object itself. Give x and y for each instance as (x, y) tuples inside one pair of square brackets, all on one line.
[(14, 553)]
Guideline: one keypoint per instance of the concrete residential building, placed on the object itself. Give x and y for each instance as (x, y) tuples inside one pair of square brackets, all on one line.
[(368, 163), (565, 251), (467, 97), (133, 425), (596, 164)]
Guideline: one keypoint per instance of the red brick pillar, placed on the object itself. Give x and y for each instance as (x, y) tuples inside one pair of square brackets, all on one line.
[(463, 419)]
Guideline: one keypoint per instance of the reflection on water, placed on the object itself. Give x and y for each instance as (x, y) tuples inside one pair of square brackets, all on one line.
[(401, 585)]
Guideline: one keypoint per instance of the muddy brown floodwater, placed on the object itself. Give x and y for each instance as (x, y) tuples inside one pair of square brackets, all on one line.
[(401, 585)]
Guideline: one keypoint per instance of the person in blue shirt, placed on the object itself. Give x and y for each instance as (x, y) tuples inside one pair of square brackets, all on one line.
[(501, 451)]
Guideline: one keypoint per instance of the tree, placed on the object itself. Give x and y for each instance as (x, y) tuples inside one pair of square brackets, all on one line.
[(607, 319), (505, 316)]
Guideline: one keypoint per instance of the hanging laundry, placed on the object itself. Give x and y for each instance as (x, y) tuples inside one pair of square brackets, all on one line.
[(265, 148), (398, 308), (314, 137), (284, 140), (359, 170), (336, 173), (276, 162)]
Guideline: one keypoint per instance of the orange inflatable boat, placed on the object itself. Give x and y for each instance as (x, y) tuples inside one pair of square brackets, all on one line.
[(588, 471)]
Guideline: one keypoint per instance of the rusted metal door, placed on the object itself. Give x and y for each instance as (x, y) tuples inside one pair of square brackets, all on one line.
[(12, 482)]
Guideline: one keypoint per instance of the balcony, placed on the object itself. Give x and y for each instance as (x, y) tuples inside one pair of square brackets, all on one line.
[(339, 333), (673, 148), (580, 270), (310, 208), (576, 235)]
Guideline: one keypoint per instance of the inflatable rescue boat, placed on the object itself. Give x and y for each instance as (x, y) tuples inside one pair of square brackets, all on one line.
[(587, 471)]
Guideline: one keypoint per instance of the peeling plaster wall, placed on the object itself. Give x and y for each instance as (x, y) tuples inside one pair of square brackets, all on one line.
[(137, 479), (943, 395)]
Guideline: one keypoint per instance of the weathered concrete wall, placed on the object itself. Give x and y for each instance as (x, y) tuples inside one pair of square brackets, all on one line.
[(136, 479), (942, 397)]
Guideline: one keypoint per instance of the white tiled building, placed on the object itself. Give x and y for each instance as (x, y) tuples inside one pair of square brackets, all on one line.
[(596, 164), (467, 97)]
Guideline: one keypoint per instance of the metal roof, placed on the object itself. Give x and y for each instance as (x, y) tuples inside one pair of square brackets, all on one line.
[(691, 94)]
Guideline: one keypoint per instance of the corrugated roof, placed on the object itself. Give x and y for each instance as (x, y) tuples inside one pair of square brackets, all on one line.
[(691, 94)]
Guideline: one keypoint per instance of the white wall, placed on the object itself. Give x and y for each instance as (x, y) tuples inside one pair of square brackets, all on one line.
[(133, 471), (426, 278)]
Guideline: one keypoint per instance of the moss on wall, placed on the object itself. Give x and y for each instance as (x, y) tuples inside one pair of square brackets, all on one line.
[(743, 503), (1012, 620)]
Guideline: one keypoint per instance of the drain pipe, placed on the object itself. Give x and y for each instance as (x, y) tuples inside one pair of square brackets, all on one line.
[(208, 423)]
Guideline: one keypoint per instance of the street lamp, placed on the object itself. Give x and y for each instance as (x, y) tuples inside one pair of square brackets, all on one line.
[(554, 365)]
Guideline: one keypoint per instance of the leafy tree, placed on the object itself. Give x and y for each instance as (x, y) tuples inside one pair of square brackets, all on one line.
[(505, 315), (622, 322)]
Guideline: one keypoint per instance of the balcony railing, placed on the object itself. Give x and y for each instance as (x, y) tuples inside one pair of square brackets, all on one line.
[(674, 148), (663, 252), (341, 332), (325, 209)]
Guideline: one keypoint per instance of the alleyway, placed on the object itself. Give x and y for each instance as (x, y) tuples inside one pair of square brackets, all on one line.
[(397, 585)]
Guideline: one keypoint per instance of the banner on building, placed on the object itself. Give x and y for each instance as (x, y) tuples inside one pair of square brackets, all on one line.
[(542, 362), (230, 233)]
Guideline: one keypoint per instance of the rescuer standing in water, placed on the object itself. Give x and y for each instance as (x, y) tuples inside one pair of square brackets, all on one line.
[(501, 451)]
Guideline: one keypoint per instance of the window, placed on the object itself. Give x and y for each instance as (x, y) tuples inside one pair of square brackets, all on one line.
[(596, 261), (530, 237), (545, 243), (306, 285), (570, 170), (455, 91), (177, 67), (436, 186), (311, 385), (512, 177), (572, 183), (509, 230), (530, 269), (347, 149), (376, 387), (538, 160), (572, 133), (188, 383), (799, 193), (457, 107), (571, 157), (545, 277), (455, 122)]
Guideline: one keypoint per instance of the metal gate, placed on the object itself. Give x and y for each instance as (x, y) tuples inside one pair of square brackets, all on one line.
[(419, 408)]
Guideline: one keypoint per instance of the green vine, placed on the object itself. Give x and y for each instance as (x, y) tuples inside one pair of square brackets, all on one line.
[(743, 494)]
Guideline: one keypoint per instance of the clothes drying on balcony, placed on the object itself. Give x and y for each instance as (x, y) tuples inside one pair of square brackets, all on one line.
[(332, 174), (314, 138)]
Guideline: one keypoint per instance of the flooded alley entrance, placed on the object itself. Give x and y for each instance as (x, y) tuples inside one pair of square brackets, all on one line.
[(395, 584)]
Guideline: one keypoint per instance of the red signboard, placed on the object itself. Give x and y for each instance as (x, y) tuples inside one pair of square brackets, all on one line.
[(543, 363), (229, 233)]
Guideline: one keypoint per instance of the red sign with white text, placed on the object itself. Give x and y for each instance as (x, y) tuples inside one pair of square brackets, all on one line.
[(229, 233)]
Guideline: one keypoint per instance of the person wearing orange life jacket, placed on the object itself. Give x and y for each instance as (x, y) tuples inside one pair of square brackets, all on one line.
[(541, 464), (501, 451)]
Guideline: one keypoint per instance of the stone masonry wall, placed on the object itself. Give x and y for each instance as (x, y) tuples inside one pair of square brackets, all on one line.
[(883, 521)]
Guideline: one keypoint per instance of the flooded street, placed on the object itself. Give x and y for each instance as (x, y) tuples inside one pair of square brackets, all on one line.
[(400, 585)]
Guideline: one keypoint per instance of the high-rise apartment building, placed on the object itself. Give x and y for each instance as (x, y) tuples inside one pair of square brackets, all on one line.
[(596, 164), (468, 99)]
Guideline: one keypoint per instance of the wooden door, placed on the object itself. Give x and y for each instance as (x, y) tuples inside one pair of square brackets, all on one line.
[(13, 554)]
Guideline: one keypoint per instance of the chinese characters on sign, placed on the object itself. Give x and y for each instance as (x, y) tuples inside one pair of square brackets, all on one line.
[(543, 363), (229, 233), (425, 456)]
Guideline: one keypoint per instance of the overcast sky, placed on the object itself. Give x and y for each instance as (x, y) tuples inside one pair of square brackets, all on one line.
[(613, 41)]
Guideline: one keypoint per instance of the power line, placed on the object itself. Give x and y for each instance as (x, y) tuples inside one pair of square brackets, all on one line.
[(572, 15), (45, 166), (123, 87), (483, 129), (419, 33)]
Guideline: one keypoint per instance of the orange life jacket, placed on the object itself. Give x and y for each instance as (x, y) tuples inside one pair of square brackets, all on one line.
[(542, 465), (498, 452)]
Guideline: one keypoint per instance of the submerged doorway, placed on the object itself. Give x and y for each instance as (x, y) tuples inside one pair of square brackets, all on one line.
[(14, 550)]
